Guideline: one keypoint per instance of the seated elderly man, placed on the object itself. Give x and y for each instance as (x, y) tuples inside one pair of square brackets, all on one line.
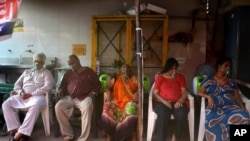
[(30, 89), (78, 86)]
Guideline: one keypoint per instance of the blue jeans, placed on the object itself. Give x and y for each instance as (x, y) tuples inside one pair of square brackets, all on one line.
[(163, 117)]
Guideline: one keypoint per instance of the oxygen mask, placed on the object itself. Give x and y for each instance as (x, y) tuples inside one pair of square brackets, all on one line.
[(227, 72), (36, 66)]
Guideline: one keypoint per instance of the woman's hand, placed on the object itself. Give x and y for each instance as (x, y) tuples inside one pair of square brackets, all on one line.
[(166, 103), (135, 98), (178, 104), (107, 97), (211, 103)]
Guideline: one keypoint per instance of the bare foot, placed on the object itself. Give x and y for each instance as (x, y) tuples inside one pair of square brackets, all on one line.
[(134, 136), (173, 138), (108, 138)]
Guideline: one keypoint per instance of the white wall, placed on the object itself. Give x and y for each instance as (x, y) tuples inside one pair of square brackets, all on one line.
[(52, 26)]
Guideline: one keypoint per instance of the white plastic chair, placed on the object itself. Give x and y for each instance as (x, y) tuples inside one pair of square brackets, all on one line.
[(197, 80), (45, 115), (152, 116), (246, 101), (201, 132)]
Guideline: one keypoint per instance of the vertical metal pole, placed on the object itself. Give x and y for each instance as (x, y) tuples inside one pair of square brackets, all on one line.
[(139, 70)]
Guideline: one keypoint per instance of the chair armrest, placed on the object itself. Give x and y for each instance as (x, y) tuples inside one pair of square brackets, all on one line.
[(191, 101), (246, 101)]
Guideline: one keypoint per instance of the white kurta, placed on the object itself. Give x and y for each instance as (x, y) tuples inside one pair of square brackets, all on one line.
[(36, 83)]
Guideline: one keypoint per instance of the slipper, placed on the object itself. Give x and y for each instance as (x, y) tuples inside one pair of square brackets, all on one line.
[(25, 138), (12, 133), (12, 139)]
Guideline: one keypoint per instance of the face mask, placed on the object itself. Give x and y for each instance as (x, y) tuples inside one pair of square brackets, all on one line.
[(227, 72), (72, 68), (36, 66), (173, 75)]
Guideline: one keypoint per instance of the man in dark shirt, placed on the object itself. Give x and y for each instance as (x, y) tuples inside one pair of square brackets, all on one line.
[(78, 86)]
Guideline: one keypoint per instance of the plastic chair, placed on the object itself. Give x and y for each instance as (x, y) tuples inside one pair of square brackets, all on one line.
[(201, 132), (146, 84), (245, 100), (197, 80), (104, 79), (45, 116), (152, 116), (197, 83)]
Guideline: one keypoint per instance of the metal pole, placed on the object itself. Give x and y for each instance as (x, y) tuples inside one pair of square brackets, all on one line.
[(139, 70)]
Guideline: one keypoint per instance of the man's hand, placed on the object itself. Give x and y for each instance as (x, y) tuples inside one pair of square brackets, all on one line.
[(59, 94), (92, 94), (25, 96), (12, 93)]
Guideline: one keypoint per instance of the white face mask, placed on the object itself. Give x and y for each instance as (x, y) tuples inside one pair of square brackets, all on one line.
[(36, 66), (227, 72), (173, 75), (72, 68)]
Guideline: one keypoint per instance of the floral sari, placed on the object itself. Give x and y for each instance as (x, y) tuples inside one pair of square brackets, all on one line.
[(119, 117)]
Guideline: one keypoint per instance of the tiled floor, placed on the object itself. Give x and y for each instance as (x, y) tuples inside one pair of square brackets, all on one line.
[(38, 133)]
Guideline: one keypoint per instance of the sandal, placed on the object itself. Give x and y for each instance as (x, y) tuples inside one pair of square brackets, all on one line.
[(25, 138), (12, 139), (12, 133), (22, 138)]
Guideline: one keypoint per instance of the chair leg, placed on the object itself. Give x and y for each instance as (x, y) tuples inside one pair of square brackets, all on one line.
[(45, 117), (151, 125), (202, 121), (191, 125)]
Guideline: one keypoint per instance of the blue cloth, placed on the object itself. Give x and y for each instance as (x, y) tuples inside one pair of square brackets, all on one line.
[(226, 112)]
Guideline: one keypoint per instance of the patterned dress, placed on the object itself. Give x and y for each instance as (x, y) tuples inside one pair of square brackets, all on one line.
[(226, 112)]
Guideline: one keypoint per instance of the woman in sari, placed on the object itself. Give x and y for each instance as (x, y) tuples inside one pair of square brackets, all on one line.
[(119, 117)]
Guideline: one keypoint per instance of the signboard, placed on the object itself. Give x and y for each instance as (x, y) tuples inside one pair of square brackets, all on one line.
[(79, 49), (8, 16)]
